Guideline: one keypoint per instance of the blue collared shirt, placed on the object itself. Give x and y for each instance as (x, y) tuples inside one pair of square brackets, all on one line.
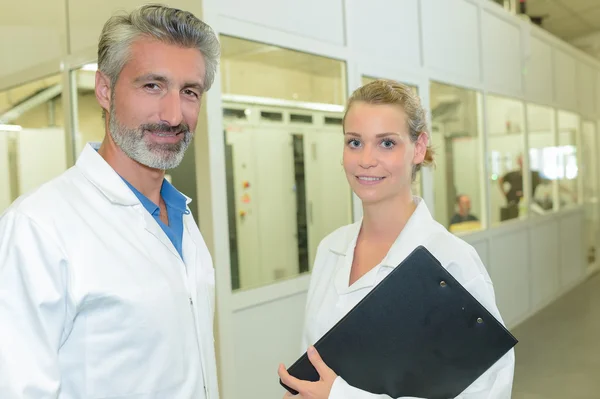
[(176, 207)]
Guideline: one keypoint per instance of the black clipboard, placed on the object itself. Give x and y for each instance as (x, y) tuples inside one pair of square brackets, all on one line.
[(418, 333)]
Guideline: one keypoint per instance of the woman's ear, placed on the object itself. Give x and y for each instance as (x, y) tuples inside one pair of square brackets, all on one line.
[(420, 148)]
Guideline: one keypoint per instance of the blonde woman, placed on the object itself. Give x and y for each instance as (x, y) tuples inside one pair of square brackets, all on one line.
[(385, 146)]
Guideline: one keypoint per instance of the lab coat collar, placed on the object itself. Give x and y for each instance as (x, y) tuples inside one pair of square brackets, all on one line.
[(105, 179), (416, 232)]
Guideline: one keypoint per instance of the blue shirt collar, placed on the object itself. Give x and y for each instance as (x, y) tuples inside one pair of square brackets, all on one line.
[(173, 198)]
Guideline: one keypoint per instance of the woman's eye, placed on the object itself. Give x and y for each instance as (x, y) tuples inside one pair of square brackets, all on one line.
[(354, 143), (388, 144)]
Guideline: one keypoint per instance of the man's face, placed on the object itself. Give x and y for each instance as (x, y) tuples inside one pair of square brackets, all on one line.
[(155, 102), (464, 205)]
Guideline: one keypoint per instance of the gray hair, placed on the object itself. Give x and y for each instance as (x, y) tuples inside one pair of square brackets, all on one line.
[(165, 24)]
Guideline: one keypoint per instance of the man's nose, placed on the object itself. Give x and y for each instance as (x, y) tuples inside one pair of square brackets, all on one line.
[(170, 110)]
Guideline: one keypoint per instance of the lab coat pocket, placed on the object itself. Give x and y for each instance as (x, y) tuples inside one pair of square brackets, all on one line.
[(133, 341)]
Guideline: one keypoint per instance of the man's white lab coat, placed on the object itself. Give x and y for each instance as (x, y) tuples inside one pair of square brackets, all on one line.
[(330, 298), (95, 301)]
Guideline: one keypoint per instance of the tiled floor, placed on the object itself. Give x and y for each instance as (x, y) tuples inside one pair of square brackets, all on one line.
[(558, 354)]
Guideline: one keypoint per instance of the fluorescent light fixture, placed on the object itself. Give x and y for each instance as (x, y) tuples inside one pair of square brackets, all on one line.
[(10, 128), (90, 67)]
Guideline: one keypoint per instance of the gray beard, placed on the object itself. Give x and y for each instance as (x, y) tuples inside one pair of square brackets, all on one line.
[(134, 144)]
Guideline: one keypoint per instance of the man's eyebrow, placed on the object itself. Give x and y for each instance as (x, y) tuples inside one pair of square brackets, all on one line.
[(195, 85), (151, 76), (160, 78)]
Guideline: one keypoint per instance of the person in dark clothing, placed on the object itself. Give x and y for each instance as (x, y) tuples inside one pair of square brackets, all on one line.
[(515, 180), (463, 214)]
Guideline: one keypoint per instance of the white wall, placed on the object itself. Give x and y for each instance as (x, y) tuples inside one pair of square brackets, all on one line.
[(528, 261), (268, 341), (290, 17), (565, 79), (32, 43), (394, 34), (450, 39), (40, 156), (539, 77), (501, 43), (586, 89)]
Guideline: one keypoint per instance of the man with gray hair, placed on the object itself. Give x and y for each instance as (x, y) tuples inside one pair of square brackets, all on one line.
[(106, 284)]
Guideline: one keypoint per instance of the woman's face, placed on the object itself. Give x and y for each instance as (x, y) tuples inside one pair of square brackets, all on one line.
[(378, 153)]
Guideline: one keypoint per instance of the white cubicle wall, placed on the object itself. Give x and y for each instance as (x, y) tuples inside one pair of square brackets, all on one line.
[(29, 158)]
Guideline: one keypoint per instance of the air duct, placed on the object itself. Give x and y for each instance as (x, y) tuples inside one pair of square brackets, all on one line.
[(34, 101)]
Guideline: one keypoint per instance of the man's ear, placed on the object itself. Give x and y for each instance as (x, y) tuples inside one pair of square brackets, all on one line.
[(103, 90)]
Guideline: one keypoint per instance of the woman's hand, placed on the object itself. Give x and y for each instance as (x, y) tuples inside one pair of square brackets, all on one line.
[(308, 389)]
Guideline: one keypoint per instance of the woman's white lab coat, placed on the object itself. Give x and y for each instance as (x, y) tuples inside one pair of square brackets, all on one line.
[(330, 298), (95, 301)]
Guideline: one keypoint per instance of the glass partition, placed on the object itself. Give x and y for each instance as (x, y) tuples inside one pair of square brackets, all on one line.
[(590, 188), (505, 130), (459, 195), (287, 190), (32, 137), (568, 158), (543, 158)]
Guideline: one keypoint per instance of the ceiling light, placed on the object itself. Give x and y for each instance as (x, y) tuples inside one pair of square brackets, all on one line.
[(10, 128), (90, 67)]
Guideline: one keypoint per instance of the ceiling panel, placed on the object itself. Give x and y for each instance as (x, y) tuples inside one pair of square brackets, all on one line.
[(578, 5), (567, 19), (548, 8), (569, 28), (592, 17)]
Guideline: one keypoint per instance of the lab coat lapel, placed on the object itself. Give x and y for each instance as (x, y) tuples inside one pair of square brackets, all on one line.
[(343, 248), (153, 228), (202, 285), (417, 232), (191, 258)]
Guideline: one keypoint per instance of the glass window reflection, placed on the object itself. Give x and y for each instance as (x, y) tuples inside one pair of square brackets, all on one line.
[(458, 173), (505, 133), (287, 190), (543, 157), (567, 171)]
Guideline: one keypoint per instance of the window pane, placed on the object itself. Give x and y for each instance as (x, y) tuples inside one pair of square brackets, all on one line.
[(456, 140), (505, 156), (542, 157), (32, 137), (287, 190), (416, 186), (568, 171)]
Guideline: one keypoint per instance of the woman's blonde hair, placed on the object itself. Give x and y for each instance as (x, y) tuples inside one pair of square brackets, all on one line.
[(388, 92)]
